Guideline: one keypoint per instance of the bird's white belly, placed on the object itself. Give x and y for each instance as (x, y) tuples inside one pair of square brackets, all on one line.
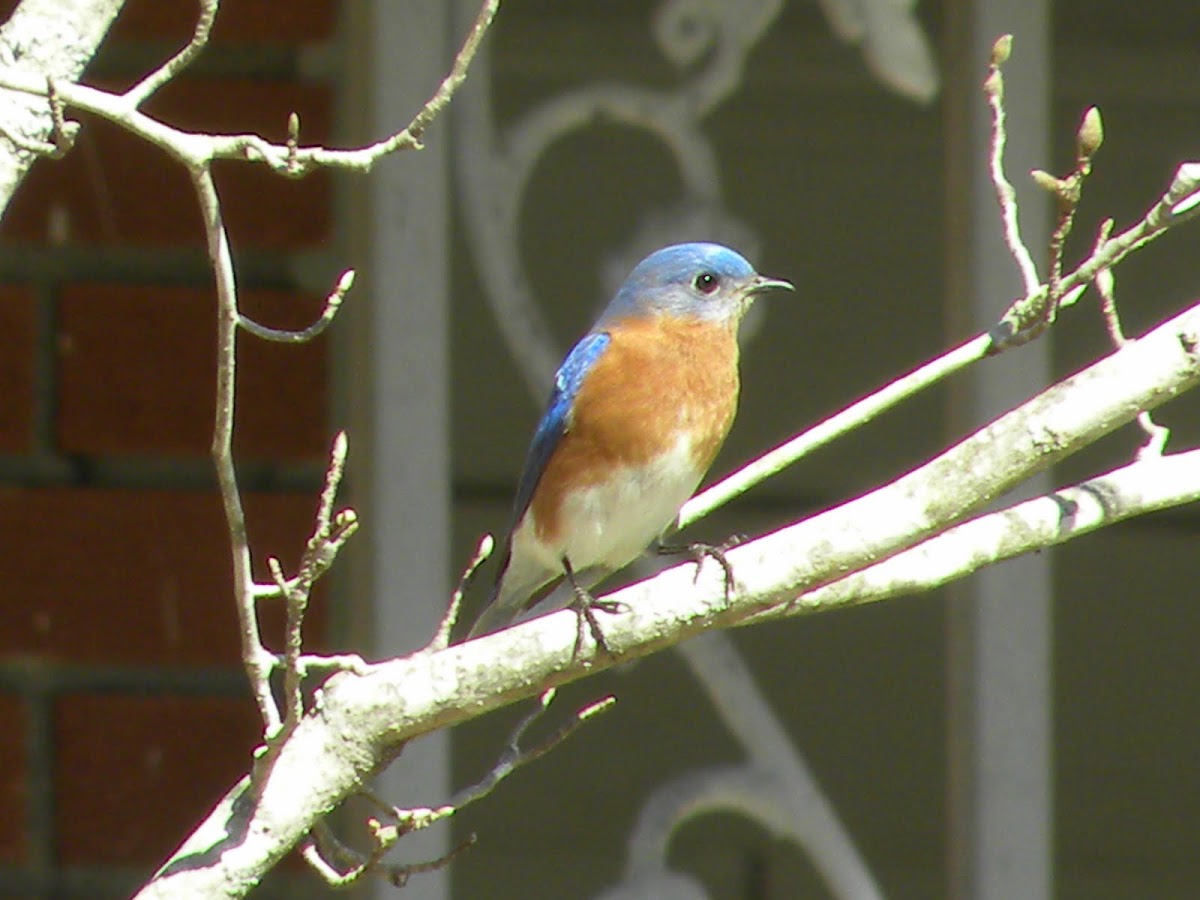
[(611, 523)]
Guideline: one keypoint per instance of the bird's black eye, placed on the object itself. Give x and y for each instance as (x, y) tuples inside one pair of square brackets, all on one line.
[(706, 282)]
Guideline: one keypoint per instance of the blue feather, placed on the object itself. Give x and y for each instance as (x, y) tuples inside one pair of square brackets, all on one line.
[(556, 419)]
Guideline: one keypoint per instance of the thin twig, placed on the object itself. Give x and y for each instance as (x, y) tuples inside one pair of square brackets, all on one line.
[(333, 480), (293, 142), (296, 601), (458, 73), (1179, 204), (398, 875), (329, 533), (197, 150), (319, 555), (835, 426), (323, 843), (441, 639), (62, 132), (1104, 287), (258, 660), (318, 846), (514, 757), (341, 662), (1067, 192), (142, 91), (993, 89), (1156, 435), (282, 336), (29, 145)]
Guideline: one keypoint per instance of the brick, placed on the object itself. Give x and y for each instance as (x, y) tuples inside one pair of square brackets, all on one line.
[(238, 21), (18, 358), (135, 774), (13, 785), (137, 374), (122, 577), (115, 189)]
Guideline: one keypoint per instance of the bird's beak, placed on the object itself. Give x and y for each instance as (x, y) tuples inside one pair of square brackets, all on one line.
[(761, 283)]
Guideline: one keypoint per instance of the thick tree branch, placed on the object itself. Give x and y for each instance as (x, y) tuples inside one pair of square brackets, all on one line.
[(1148, 485)]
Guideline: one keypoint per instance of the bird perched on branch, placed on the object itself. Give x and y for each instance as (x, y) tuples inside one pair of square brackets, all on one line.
[(639, 409)]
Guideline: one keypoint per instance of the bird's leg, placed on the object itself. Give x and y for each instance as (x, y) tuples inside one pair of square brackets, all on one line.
[(699, 550), (584, 606)]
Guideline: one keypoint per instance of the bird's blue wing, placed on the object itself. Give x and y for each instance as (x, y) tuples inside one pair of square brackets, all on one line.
[(556, 419)]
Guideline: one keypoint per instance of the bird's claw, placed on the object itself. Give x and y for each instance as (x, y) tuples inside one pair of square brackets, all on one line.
[(584, 606), (699, 550)]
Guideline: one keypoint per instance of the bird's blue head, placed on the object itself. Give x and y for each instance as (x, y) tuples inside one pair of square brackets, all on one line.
[(701, 281)]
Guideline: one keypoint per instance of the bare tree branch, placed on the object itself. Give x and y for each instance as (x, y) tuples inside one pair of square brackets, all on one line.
[(257, 659), (1172, 209), (198, 150), (1150, 484), (853, 416), (1180, 203), (441, 638), (993, 89), (359, 719)]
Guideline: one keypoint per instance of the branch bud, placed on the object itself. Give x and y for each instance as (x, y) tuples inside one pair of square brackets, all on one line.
[(1002, 49), (1047, 182), (1091, 133)]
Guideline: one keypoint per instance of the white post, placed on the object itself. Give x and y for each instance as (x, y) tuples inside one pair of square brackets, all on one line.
[(395, 376), (1001, 785)]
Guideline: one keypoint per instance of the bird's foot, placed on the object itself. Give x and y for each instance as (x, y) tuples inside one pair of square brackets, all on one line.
[(699, 550), (584, 606)]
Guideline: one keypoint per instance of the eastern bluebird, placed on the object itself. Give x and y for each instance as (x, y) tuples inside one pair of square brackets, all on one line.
[(639, 409)]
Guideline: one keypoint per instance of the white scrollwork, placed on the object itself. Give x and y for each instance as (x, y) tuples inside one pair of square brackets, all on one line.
[(494, 171), (894, 46), (707, 39)]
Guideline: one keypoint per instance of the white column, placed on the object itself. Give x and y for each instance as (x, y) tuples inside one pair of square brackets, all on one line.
[(1000, 729), (395, 376)]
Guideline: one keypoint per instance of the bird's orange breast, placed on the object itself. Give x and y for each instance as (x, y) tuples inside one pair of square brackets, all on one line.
[(660, 380)]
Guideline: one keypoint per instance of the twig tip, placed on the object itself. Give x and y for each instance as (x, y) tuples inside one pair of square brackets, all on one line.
[(1002, 49), (1091, 133), (1046, 181)]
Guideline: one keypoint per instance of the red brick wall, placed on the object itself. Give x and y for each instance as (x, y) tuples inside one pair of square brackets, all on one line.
[(123, 710)]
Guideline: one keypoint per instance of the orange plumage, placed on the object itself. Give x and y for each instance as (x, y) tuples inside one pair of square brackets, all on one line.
[(661, 378)]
